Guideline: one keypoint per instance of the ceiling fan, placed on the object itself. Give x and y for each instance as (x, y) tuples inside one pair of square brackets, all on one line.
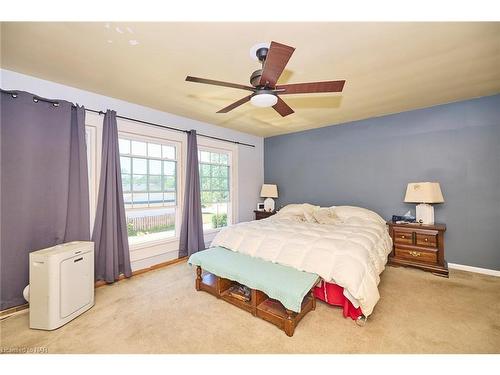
[(265, 91)]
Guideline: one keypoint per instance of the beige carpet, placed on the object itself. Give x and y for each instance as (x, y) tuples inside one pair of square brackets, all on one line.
[(160, 312)]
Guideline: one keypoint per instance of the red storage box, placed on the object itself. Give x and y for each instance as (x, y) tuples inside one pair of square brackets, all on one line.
[(334, 295)]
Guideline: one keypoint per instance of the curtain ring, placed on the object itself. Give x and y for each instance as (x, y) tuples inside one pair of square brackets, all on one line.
[(14, 95), (35, 100)]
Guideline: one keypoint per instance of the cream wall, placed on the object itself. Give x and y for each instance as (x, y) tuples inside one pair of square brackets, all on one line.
[(250, 161)]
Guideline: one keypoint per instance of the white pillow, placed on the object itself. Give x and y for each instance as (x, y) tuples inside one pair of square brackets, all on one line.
[(310, 217), (346, 212), (326, 216), (297, 209)]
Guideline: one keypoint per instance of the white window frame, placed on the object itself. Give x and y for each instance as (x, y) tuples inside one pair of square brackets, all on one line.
[(134, 131), (208, 144), (93, 135), (176, 145)]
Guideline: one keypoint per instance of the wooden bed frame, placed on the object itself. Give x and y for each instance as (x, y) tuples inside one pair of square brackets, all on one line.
[(260, 304)]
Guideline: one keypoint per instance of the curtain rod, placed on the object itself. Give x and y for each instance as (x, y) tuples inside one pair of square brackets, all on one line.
[(56, 104), (172, 128)]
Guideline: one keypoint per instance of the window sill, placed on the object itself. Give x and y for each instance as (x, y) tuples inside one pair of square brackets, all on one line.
[(147, 244)]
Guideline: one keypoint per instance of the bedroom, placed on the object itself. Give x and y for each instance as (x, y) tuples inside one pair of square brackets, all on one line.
[(231, 187)]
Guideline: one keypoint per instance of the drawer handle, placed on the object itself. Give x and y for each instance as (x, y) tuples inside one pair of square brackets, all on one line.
[(402, 236), (426, 239), (414, 253)]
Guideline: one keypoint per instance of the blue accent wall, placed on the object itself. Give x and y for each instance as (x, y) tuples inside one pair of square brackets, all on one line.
[(368, 163)]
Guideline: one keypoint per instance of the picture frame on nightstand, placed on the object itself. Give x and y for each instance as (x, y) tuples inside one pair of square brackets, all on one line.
[(260, 206)]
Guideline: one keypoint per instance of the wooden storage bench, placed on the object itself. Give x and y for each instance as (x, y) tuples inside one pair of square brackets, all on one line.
[(259, 305)]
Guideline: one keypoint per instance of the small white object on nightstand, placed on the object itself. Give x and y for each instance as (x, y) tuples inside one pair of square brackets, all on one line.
[(269, 191)]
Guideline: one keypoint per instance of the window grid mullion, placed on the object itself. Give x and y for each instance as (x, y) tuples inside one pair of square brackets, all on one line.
[(147, 175), (132, 180), (163, 178)]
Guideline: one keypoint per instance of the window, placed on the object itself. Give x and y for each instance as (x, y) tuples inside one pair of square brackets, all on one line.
[(215, 187), (149, 181)]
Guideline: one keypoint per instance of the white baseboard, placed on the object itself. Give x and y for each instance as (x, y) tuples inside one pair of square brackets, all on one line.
[(484, 271)]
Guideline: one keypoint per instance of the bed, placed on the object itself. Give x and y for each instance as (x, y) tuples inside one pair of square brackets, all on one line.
[(347, 247)]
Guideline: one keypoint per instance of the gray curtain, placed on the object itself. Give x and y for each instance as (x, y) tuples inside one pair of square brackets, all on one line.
[(112, 256), (44, 184), (191, 239)]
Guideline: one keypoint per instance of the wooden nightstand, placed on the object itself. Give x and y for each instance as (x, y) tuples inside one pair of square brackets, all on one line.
[(418, 245), (263, 214)]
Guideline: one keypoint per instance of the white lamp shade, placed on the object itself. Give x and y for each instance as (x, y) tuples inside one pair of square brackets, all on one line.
[(269, 191), (424, 192)]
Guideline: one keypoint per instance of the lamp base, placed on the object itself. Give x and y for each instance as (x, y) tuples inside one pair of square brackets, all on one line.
[(269, 204), (424, 214)]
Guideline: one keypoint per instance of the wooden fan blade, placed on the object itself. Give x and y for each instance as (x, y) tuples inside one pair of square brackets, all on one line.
[(219, 83), (282, 108), (235, 104), (310, 87), (276, 60)]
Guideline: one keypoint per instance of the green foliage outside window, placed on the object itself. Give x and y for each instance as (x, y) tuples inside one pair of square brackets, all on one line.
[(214, 181), (219, 221), (131, 231)]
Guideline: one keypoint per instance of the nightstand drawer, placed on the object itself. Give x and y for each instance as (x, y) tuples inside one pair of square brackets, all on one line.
[(259, 215), (417, 255), (427, 239), (403, 236)]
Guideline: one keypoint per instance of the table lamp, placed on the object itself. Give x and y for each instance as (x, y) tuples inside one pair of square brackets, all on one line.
[(424, 193), (269, 191)]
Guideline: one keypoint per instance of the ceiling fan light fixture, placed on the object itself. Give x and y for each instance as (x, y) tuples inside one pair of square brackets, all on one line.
[(264, 100), (264, 81)]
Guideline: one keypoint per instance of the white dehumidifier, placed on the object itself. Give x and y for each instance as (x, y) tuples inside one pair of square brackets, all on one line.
[(61, 284)]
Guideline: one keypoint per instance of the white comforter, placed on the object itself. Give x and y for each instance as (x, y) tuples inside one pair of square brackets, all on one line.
[(351, 254)]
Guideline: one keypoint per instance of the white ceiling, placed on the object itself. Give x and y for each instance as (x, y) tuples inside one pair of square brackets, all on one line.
[(389, 67)]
